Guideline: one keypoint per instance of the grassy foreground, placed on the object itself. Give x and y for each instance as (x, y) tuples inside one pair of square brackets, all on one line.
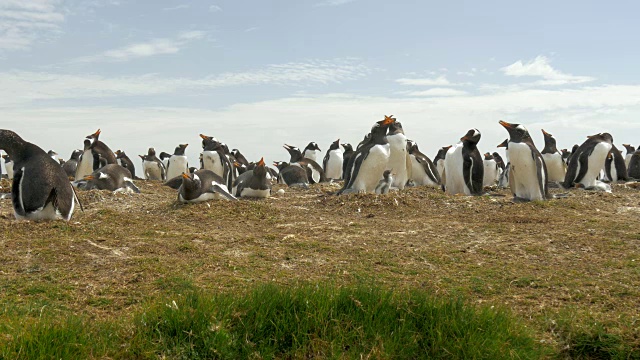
[(275, 322)]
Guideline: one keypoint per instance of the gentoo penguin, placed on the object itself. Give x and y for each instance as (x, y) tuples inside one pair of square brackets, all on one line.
[(40, 188), (491, 170), (499, 161), (112, 177), (314, 170), (368, 163), (71, 165), (215, 159), (399, 159), (85, 164), (332, 163), (463, 167), (556, 168), (291, 175), (164, 157), (385, 183), (614, 166), (573, 151), (423, 171), (587, 161), (237, 155), (630, 150), (438, 160), (253, 183), (565, 156), (152, 167), (202, 185), (311, 152), (100, 149), (125, 162), (346, 155), (634, 166), (178, 163), (503, 180), (53, 155), (528, 177), (8, 165)]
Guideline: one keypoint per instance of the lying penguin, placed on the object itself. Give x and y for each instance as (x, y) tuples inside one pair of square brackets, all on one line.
[(112, 177), (202, 185)]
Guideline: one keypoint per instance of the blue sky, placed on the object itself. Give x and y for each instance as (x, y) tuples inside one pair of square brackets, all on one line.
[(257, 74)]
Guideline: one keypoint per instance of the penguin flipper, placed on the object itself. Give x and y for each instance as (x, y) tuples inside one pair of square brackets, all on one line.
[(222, 190), (174, 183), (131, 186), (583, 160), (543, 179), (18, 205)]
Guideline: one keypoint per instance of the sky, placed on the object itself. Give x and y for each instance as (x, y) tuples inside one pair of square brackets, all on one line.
[(258, 74)]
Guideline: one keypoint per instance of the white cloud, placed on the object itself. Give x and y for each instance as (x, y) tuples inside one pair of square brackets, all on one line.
[(177, 7), (215, 8), (466, 73), (540, 67), (22, 23), (334, 2), (145, 49), (439, 81), (437, 92)]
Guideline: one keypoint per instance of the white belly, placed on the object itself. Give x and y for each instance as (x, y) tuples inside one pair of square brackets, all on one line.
[(249, 192), (334, 165), (201, 198), (85, 167), (440, 167), (152, 170), (211, 161), (555, 167), (9, 167), (311, 155), (491, 173), (177, 165), (627, 160), (398, 160), (523, 175), (419, 175), (453, 164), (595, 164), (372, 169)]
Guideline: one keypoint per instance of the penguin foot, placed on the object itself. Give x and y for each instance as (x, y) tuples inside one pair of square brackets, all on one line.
[(517, 199)]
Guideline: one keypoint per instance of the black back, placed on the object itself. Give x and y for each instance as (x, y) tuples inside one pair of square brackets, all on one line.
[(581, 156)]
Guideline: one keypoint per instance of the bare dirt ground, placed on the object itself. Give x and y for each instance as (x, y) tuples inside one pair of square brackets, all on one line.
[(578, 255)]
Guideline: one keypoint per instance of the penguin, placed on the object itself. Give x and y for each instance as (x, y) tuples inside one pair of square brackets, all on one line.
[(311, 152), (463, 166), (528, 177), (70, 166), (253, 183), (438, 160), (423, 171), (164, 157), (291, 175), (112, 177), (587, 161), (634, 166), (399, 159), (100, 149), (53, 155), (491, 171), (333, 160), (215, 159), (385, 184), (40, 188), (503, 180), (499, 161), (125, 162), (178, 163), (573, 151), (8, 166), (237, 155), (85, 164), (368, 163), (614, 166), (565, 156), (346, 155), (630, 150), (314, 170), (152, 167), (556, 168), (202, 185)]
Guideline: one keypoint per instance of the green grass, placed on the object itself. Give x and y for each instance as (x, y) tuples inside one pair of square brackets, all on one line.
[(267, 321)]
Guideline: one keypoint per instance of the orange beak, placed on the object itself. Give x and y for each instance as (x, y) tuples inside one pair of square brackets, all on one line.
[(185, 145), (546, 133), (505, 124), (97, 133), (185, 176), (204, 137), (237, 164), (88, 177), (388, 120), (261, 162)]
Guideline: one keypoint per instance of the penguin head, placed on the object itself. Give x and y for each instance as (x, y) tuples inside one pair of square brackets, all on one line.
[(120, 154), (412, 146), (260, 169), (395, 128), (280, 165), (75, 155), (210, 144), (347, 147), (205, 138), (565, 153), (630, 149), (87, 144), (312, 146), (549, 139), (164, 155), (488, 156), (335, 145), (504, 144), (602, 137), (179, 150), (383, 124), (294, 152), (94, 137), (517, 132), (190, 181), (8, 140), (472, 137), (151, 152)]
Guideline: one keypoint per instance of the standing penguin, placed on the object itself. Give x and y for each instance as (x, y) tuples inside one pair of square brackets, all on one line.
[(178, 163), (311, 152), (423, 171), (332, 163), (385, 184), (112, 177), (346, 155), (399, 159), (438, 160), (587, 161), (40, 189), (215, 159), (565, 156), (499, 161), (634, 166), (369, 162), (125, 162), (614, 167), (152, 167), (630, 150), (100, 150), (528, 177), (314, 170), (253, 183), (8, 165), (85, 164), (202, 185), (463, 167), (491, 170), (556, 167), (70, 166)]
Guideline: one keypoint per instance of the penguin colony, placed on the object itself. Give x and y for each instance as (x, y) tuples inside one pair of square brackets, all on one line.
[(44, 186)]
